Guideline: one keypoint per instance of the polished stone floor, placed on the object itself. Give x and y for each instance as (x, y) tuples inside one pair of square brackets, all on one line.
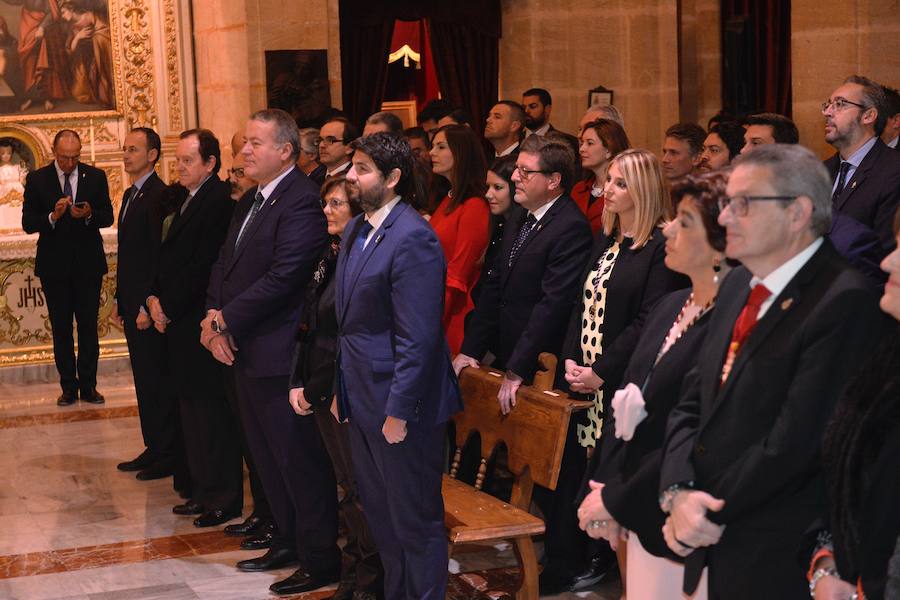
[(73, 527)]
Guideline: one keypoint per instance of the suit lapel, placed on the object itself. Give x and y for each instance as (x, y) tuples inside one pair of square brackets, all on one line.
[(263, 213), (539, 226), (859, 176), (193, 208)]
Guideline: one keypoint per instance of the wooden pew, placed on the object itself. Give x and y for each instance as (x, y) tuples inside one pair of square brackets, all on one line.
[(534, 433)]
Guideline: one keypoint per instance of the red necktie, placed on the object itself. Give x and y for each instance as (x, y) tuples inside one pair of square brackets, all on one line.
[(745, 323)]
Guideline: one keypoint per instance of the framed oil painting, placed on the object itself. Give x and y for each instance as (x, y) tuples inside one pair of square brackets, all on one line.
[(297, 82), (57, 59)]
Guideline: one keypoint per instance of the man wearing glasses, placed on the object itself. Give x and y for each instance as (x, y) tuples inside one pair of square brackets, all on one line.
[(864, 171), (334, 145), (237, 178), (525, 309), (741, 477)]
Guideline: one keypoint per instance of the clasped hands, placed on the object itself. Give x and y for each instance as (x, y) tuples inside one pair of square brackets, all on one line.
[(506, 396), (687, 526), (221, 345), (582, 379)]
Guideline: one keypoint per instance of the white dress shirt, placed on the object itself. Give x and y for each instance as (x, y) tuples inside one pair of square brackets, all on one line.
[(379, 216), (778, 279)]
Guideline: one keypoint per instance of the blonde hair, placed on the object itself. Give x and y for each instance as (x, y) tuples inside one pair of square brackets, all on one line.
[(644, 181)]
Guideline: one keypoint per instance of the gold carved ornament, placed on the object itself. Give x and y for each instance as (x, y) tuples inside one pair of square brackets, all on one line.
[(138, 64)]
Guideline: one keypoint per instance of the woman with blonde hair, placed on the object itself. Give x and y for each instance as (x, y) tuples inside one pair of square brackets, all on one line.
[(625, 276)]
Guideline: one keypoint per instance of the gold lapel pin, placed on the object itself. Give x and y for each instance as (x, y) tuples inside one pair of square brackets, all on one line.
[(787, 304)]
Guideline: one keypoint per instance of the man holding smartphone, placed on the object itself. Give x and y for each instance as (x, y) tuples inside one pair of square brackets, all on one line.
[(67, 202)]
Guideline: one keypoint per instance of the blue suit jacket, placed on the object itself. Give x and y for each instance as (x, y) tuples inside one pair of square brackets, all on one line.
[(259, 286), (393, 358)]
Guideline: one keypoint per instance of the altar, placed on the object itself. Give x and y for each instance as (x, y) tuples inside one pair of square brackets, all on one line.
[(130, 65)]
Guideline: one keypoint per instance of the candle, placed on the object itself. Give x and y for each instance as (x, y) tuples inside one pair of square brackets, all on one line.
[(93, 153)]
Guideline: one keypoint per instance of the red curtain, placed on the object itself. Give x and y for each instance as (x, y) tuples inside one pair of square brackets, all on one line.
[(756, 66)]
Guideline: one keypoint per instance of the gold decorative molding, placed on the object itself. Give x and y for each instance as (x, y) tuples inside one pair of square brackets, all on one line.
[(138, 71), (116, 185), (176, 122)]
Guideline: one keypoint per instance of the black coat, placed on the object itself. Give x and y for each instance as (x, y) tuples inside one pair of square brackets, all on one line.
[(139, 240), (755, 441), (71, 245), (313, 362), (630, 469), (873, 193), (523, 311)]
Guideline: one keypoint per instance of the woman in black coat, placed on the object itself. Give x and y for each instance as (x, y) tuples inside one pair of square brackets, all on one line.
[(312, 393), (625, 483), (862, 467)]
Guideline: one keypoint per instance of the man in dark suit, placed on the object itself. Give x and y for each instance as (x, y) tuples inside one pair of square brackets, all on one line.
[(395, 382), (176, 305), (865, 172), (537, 104), (741, 476), (524, 311), (139, 232), (254, 304), (67, 202)]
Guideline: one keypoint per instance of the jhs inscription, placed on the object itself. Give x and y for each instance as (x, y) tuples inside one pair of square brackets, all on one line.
[(30, 296)]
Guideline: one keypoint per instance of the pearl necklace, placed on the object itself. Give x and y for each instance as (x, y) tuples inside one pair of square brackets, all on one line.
[(681, 330)]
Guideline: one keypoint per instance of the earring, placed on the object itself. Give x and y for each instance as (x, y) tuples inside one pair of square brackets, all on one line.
[(717, 266)]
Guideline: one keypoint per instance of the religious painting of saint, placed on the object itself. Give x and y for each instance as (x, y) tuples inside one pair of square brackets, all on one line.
[(297, 82), (56, 56)]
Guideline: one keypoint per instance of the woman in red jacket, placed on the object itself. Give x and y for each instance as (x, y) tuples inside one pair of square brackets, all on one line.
[(601, 141), (461, 221)]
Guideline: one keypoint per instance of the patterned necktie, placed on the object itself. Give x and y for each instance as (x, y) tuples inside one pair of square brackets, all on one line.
[(254, 210), (745, 323), (126, 202), (841, 182), (523, 234), (67, 185)]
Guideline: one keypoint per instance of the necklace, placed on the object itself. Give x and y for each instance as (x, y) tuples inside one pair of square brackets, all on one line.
[(670, 341)]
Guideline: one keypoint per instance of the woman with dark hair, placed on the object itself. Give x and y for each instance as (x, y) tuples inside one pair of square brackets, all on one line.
[(862, 467), (624, 483), (460, 221), (312, 393), (601, 141)]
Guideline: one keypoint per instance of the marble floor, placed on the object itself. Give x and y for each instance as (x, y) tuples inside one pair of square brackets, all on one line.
[(73, 527)]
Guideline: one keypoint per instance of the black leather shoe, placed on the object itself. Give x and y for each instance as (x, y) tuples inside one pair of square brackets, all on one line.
[(143, 461), (188, 508), (250, 526), (301, 581), (66, 399), (211, 518), (92, 396), (260, 541), (155, 471), (273, 559)]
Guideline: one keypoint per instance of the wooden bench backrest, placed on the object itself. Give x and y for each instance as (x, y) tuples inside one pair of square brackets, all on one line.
[(534, 432)]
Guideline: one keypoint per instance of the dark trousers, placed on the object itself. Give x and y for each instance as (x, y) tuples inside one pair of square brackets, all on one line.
[(294, 469), (156, 402), (400, 486), (77, 296), (210, 437), (361, 562), (261, 507)]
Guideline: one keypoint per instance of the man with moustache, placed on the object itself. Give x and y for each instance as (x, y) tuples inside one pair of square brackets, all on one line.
[(176, 305), (254, 304), (67, 202), (865, 172), (139, 235), (537, 104), (395, 382), (237, 178)]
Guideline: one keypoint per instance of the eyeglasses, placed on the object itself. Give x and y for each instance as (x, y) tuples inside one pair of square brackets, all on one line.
[(840, 104), (741, 204), (334, 204), (328, 140), (238, 172), (526, 174)]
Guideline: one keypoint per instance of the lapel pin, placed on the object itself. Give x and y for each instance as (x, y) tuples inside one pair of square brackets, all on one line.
[(787, 304), (378, 239), (853, 186), (274, 200)]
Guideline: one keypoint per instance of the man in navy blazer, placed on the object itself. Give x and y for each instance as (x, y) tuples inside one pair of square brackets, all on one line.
[(395, 382), (254, 303), (67, 202)]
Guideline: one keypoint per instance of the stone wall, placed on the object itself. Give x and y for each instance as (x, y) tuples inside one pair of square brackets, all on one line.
[(832, 39), (700, 60)]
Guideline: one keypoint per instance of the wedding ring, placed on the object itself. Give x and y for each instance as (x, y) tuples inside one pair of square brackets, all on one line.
[(596, 524)]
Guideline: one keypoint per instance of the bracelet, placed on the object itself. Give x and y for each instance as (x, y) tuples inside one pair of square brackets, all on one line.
[(817, 576), (668, 495)]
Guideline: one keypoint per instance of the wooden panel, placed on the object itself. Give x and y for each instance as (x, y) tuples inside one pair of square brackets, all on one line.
[(472, 516)]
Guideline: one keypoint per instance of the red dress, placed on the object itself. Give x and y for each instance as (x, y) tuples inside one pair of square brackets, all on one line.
[(581, 194), (464, 237)]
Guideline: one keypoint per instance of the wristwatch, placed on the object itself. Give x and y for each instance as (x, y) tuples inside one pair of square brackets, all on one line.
[(668, 495)]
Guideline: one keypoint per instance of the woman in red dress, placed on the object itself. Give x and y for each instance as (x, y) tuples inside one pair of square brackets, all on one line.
[(461, 221), (601, 140)]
